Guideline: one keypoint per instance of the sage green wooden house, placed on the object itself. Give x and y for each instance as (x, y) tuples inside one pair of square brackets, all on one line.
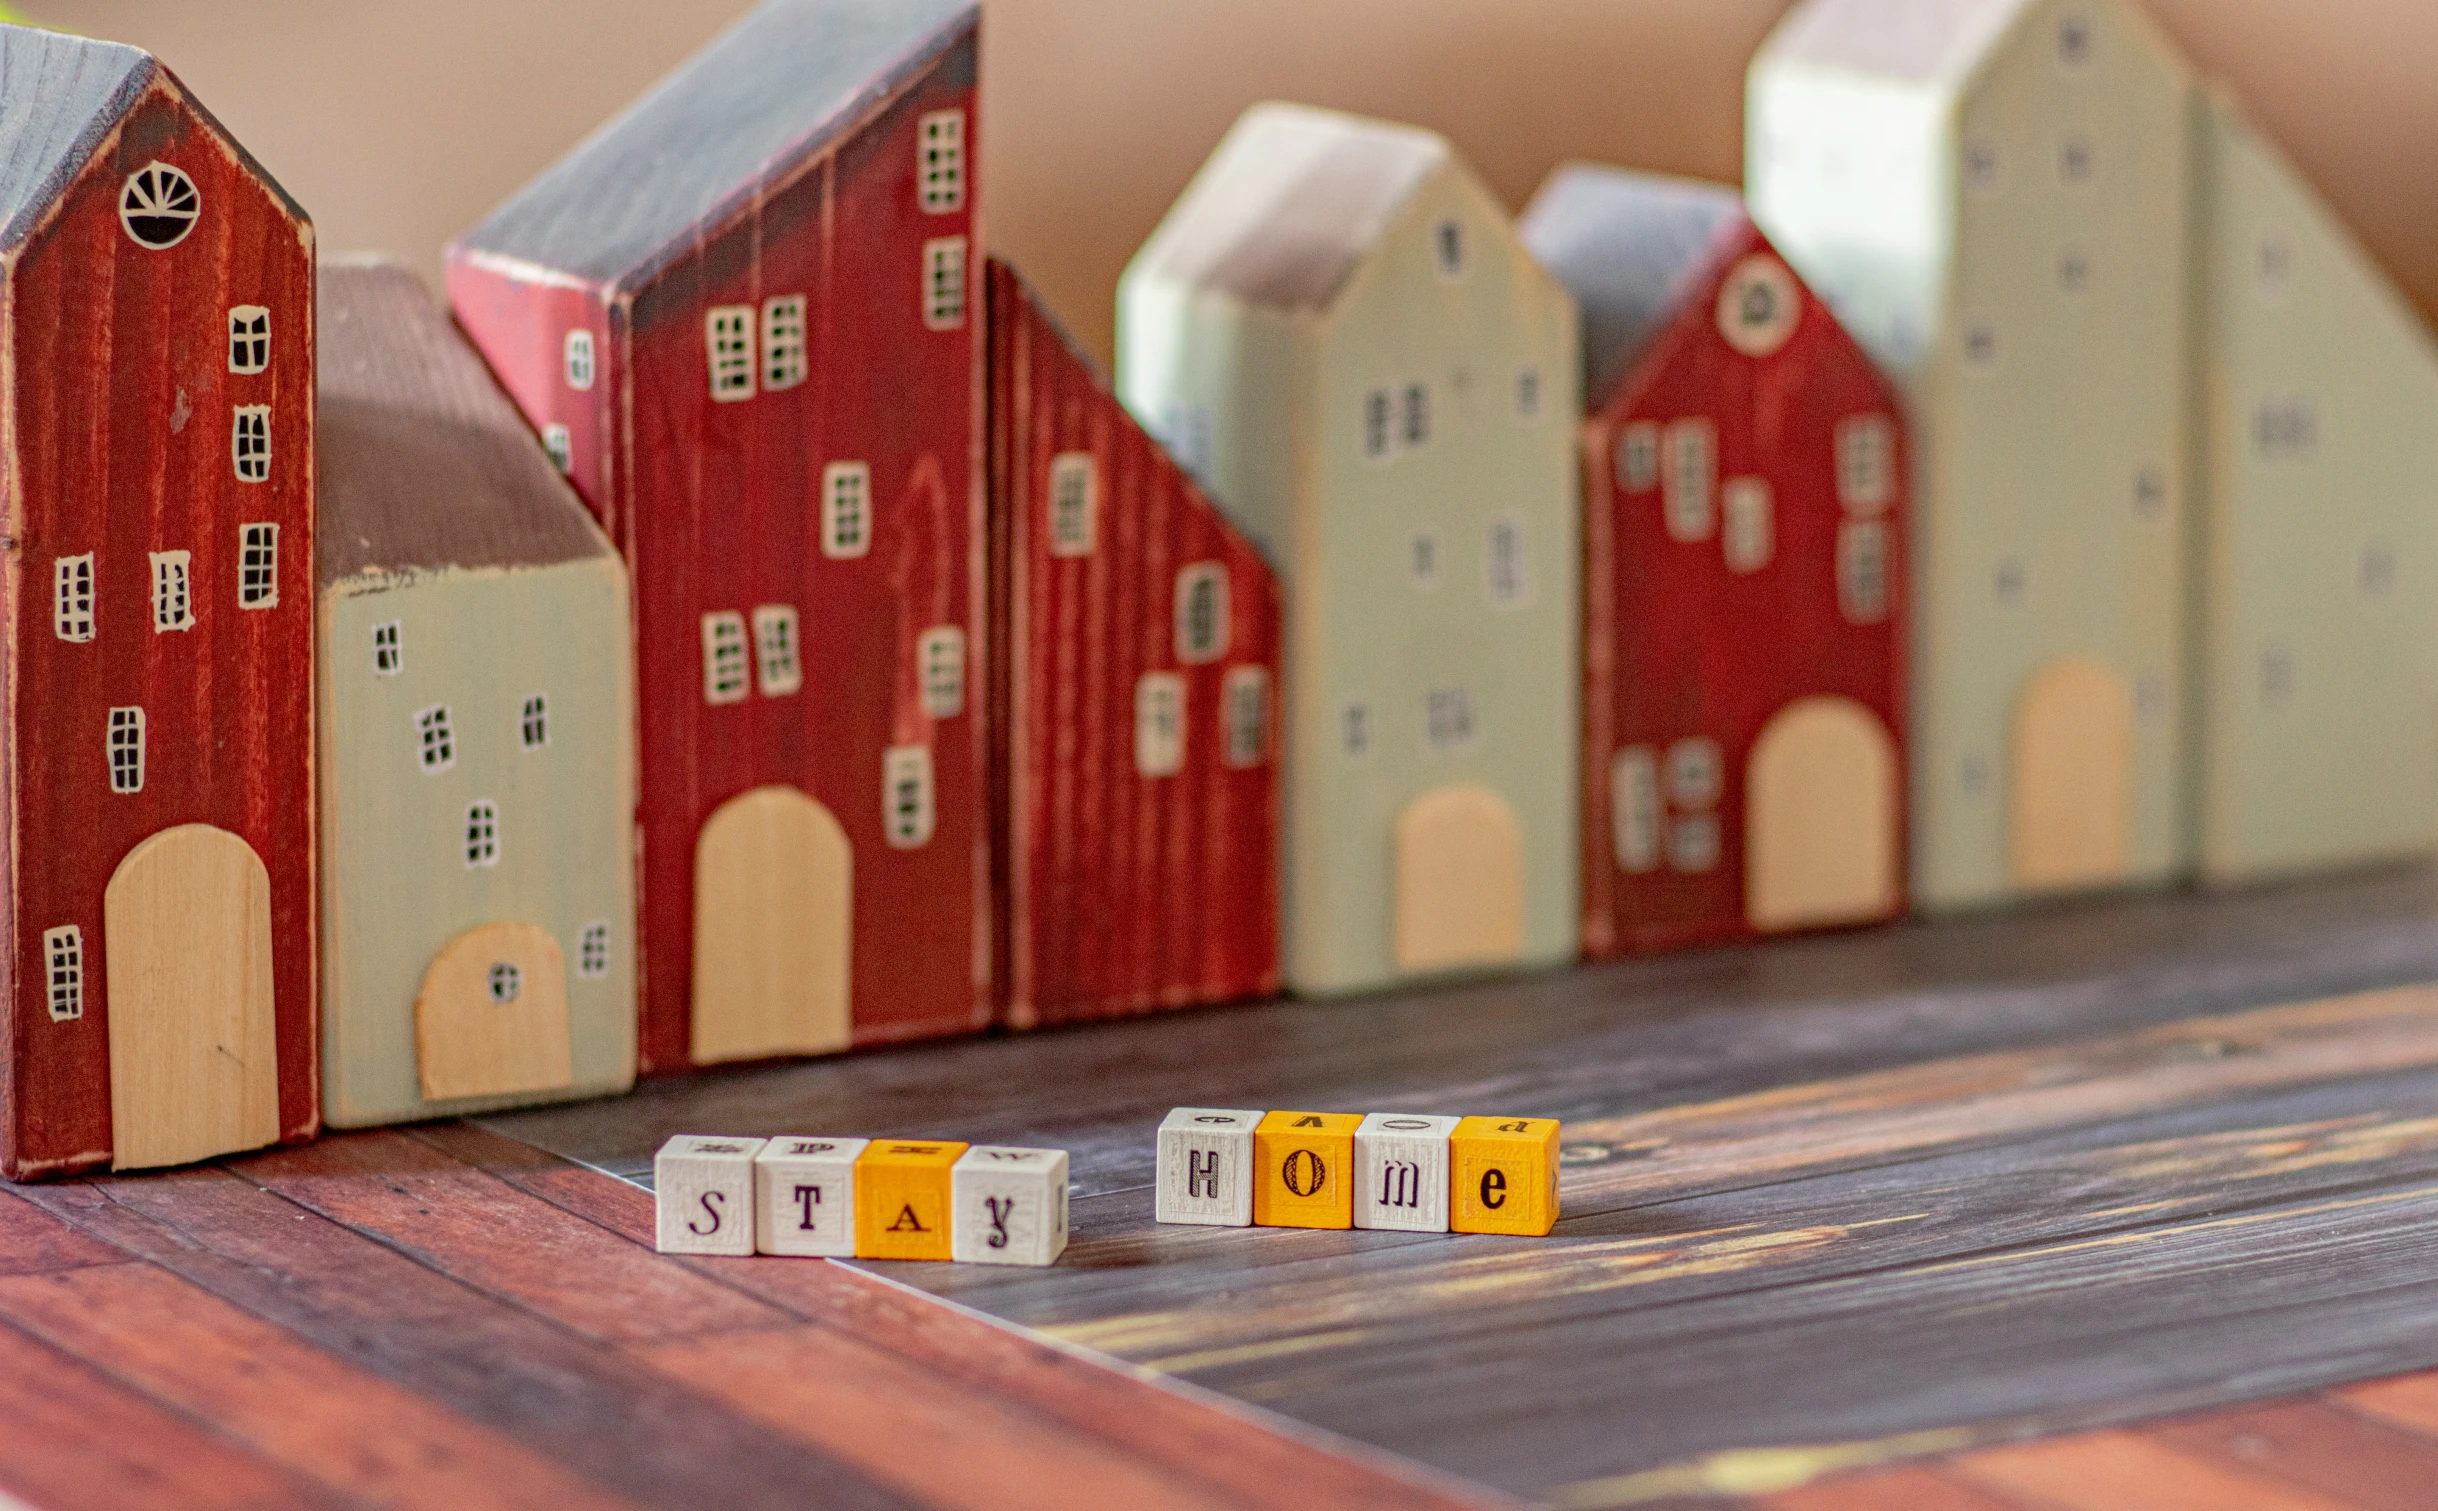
[(1337, 330)]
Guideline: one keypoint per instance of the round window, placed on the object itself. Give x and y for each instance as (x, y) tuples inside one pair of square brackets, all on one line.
[(506, 982), (1759, 306), (159, 205)]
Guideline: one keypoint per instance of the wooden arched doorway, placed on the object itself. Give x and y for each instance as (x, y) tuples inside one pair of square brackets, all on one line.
[(774, 902), (491, 1015), (1459, 881), (2070, 787), (1821, 818)]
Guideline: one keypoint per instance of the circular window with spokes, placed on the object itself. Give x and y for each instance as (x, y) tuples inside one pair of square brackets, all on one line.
[(159, 206)]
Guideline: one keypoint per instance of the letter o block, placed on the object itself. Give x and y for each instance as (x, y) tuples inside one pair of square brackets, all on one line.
[(1303, 1170), (702, 1188), (902, 1198), (1505, 1176)]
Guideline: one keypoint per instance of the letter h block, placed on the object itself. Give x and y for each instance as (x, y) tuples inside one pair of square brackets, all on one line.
[(804, 1196), (1303, 1164), (702, 1188), (1401, 1172), (1009, 1205), (1206, 1167), (902, 1198)]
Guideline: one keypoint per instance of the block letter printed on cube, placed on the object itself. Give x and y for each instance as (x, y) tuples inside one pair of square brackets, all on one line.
[(1401, 1172), (901, 1198), (1206, 1167), (1303, 1169), (1008, 1206), (1506, 1176), (804, 1196), (703, 1187)]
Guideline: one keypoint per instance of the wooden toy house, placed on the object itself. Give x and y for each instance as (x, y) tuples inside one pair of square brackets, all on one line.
[(477, 731), (1134, 677), (2318, 515), (1992, 194), (1743, 615), (741, 314), (157, 412), (1337, 331)]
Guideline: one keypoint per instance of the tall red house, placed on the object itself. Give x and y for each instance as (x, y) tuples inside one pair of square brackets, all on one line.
[(156, 409), (1134, 692), (1744, 578), (746, 315)]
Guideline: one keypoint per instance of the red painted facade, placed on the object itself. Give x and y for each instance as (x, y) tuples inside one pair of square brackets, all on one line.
[(122, 405), (1126, 885), (1682, 648)]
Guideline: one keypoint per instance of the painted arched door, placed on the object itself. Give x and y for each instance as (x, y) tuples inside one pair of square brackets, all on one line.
[(1459, 881), (774, 901), (194, 1045), (491, 1015), (1820, 818), (2070, 793)]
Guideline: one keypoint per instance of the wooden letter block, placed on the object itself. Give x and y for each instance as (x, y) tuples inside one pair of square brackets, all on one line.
[(1303, 1168), (804, 1196), (1008, 1206), (902, 1198), (1506, 1177), (1401, 1172), (1206, 1167), (704, 1191)]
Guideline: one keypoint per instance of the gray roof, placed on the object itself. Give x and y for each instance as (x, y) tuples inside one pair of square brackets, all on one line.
[(424, 463), (59, 96), (784, 82), (1920, 41), (1289, 204), (1629, 245)]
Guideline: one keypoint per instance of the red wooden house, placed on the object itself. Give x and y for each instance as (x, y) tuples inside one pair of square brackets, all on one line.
[(157, 411), (1744, 604), (739, 313), (1133, 690)]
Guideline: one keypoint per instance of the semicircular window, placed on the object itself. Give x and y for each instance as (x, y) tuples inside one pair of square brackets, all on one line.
[(159, 205)]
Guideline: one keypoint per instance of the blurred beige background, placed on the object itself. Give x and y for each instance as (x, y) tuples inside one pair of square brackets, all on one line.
[(399, 122)]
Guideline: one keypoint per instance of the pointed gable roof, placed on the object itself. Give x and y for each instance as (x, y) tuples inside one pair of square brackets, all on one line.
[(1630, 246), (1289, 205), (1917, 41), (59, 97), (789, 79)]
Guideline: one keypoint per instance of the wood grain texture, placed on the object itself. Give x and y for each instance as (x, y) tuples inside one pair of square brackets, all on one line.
[(2108, 1471), (471, 1043), (2317, 1447)]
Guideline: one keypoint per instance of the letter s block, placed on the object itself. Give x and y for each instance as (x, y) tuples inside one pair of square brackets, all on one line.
[(702, 1186), (1206, 1167), (804, 1196), (1009, 1206), (1401, 1172), (1303, 1170), (902, 1189), (1506, 1176)]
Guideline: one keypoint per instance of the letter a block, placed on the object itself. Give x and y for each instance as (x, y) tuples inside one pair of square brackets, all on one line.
[(703, 1189), (1401, 1172), (1506, 1177), (1206, 1167), (1303, 1167), (902, 1198), (804, 1195), (1008, 1206)]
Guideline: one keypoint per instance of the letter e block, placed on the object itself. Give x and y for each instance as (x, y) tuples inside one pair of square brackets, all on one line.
[(804, 1196), (1401, 1172), (703, 1187), (901, 1198), (1506, 1178), (1008, 1206), (1303, 1170), (1206, 1167)]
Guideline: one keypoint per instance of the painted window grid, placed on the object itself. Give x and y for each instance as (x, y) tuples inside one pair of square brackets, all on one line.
[(1449, 721), (1866, 462), (72, 598), (126, 750), (593, 950), (726, 677), (249, 339), (576, 353), (1074, 504), (846, 509), (943, 162), (158, 206), (1448, 248), (173, 592), (1750, 540), (1379, 425), (63, 954), (250, 443), (944, 283), (1638, 457), (940, 654), (505, 981), (1202, 627), (258, 565), (1414, 416), (907, 811), (388, 654), (1689, 478), (559, 444), (1244, 696), (783, 342), (1159, 724), (728, 339), (482, 834), (1507, 565), (435, 739), (1862, 570), (778, 655), (533, 722), (1634, 809)]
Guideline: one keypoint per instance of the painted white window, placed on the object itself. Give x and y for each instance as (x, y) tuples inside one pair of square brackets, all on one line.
[(435, 739), (1354, 731), (1244, 697), (944, 283), (1528, 393), (63, 954), (1697, 775), (783, 363), (1507, 565), (158, 206), (1638, 457), (126, 750), (1866, 462), (846, 509), (1074, 503), (1751, 537), (943, 162), (1202, 613), (728, 336), (1634, 816), (906, 803), (1862, 570), (72, 597), (725, 674), (249, 338), (940, 655), (1424, 561), (1379, 425), (1690, 477), (593, 950), (533, 723), (258, 566), (173, 591), (2284, 427), (250, 443), (577, 353), (1759, 306), (560, 447), (482, 834), (778, 658), (1448, 248), (506, 982), (1448, 721), (1693, 843), (388, 655), (1159, 724), (1414, 416)]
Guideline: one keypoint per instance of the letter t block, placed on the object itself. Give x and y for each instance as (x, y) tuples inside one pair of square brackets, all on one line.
[(902, 1198), (804, 1196), (1506, 1177), (702, 1187), (1206, 1167), (1303, 1170), (1401, 1172)]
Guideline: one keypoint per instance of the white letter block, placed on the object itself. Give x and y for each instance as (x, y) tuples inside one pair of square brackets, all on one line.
[(1007, 1206), (1401, 1172), (804, 1196), (1206, 1167), (704, 1187)]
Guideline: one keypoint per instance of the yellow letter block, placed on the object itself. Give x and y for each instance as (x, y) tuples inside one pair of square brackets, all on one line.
[(1303, 1170), (1504, 1176), (901, 1199)]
